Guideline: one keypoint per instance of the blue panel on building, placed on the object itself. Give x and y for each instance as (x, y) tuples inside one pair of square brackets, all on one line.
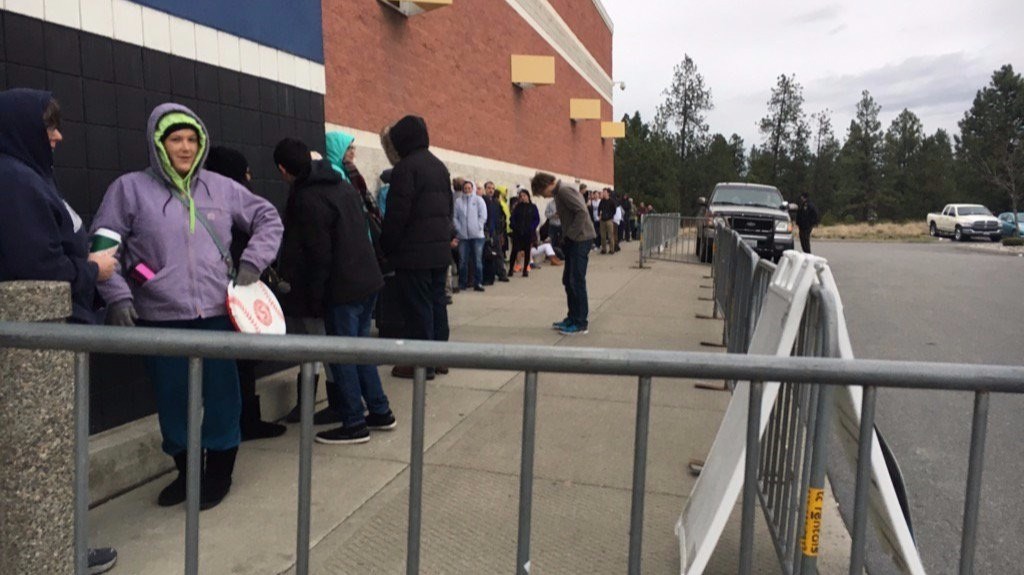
[(294, 26)]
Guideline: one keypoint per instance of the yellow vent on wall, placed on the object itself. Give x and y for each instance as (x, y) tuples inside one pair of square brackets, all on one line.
[(414, 7), (613, 130), (584, 109), (530, 71)]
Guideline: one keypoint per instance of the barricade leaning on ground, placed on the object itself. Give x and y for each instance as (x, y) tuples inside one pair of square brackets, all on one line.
[(805, 430), (532, 360)]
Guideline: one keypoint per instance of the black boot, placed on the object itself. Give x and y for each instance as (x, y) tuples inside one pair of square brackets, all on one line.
[(296, 413), (217, 479), (174, 493), (252, 424)]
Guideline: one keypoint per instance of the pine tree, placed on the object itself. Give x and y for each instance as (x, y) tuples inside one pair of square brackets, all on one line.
[(785, 154), (824, 175), (683, 114), (860, 162), (990, 147), (901, 154)]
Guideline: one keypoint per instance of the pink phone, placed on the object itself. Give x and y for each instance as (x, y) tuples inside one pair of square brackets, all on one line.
[(142, 274)]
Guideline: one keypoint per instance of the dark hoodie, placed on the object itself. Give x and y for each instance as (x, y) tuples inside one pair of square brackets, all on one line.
[(38, 240), (418, 222), (326, 254)]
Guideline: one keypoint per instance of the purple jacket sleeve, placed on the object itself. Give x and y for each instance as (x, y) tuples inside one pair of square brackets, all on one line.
[(115, 214), (261, 220)]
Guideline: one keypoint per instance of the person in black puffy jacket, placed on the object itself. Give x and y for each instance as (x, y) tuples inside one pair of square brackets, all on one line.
[(418, 232)]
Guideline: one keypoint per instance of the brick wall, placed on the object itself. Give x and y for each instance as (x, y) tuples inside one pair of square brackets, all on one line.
[(452, 66), (589, 27)]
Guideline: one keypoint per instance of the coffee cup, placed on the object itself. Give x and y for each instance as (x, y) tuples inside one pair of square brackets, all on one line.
[(105, 240)]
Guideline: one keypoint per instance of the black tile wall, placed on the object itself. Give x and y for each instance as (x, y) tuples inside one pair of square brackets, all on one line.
[(23, 40), (71, 152), (230, 89), (249, 92), (3, 50), (107, 89), (156, 71), (101, 147), (207, 77), (67, 89), (133, 153), (19, 76), (183, 78), (97, 58), (127, 64), (131, 107), (63, 53), (100, 99)]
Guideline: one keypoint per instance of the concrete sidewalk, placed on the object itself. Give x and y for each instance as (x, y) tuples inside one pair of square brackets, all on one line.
[(583, 465)]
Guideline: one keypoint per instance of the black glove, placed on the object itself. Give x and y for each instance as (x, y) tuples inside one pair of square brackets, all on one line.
[(247, 274), (122, 314)]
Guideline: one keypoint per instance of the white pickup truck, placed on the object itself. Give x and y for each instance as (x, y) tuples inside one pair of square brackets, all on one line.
[(965, 221)]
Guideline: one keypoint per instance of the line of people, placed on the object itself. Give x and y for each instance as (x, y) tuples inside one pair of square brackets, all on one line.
[(189, 225)]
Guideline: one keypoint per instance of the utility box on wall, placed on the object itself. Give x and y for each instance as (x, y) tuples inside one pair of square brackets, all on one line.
[(530, 71), (584, 109)]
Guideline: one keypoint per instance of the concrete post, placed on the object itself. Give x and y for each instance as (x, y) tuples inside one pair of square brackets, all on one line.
[(37, 438)]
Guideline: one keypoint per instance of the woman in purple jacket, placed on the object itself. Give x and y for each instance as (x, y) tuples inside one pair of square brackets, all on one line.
[(175, 221)]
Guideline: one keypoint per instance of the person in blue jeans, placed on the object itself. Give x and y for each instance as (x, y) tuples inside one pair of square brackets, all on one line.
[(470, 223), (328, 258), (577, 237)]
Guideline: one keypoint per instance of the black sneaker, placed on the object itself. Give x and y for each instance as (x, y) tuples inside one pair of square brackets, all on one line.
[(101, 560), (326, 416), (381, 422), (478, 288), (344, 435)]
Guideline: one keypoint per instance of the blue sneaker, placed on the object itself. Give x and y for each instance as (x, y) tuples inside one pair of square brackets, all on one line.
[(560, 325), (573, 329)]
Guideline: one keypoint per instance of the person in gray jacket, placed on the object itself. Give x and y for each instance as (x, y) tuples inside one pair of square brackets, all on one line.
[(470, 221)]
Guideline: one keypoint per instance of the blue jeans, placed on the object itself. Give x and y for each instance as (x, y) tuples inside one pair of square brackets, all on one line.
[(477, 245), (355, 383), (222, 400), (574, 278)]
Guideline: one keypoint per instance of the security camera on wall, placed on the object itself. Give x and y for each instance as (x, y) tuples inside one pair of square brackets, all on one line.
[(622, 86)]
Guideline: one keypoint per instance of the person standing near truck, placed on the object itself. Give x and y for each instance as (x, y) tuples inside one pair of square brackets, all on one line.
[(806, 220)]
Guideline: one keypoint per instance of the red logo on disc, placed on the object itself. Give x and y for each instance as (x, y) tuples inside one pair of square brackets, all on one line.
[(263, 312)]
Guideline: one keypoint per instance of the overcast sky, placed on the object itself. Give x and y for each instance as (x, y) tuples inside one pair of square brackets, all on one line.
[(930, 56)]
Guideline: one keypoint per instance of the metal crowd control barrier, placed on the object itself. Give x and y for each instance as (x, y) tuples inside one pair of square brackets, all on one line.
[(804, 416), (792, 457), (669, 237)]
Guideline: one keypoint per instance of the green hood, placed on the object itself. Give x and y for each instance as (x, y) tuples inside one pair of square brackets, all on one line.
[(182, 184), (337, 144)]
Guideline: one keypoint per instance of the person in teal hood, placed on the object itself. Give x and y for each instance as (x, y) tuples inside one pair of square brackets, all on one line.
[(175, 218), (341, 155)]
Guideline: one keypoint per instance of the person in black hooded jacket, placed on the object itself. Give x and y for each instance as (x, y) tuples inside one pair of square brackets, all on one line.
[(418, 232), (41, 237), (329, 260)]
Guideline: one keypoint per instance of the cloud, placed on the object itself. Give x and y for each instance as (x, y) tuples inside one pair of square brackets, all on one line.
[(921, 84), (819, 15)]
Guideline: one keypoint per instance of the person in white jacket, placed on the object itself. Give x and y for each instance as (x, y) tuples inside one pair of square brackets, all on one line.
[(470, 220)]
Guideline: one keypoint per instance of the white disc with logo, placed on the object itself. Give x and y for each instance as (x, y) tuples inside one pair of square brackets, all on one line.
[(254, 309)]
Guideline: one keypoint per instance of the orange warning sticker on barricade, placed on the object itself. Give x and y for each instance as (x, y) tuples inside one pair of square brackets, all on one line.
[(812, 523)]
